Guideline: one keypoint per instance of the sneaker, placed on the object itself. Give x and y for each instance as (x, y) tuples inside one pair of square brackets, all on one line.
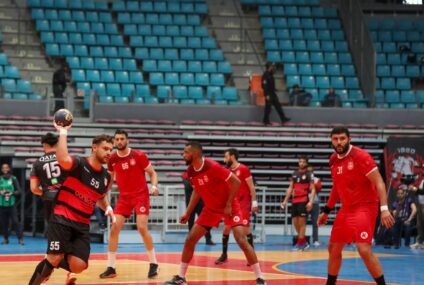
[(5, 241), (210, 242), (71, 278), (21, 241), (295, 248), (176, 280), (417, 245), (45, 281), (223, 258), (260, 281), (109, 273), (153, 270), (316, 243), (285, 120), (304, 246)]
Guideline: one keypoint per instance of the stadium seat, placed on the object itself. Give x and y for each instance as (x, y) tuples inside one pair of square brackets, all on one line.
[(195, 92), (156, 78), (180, 92), (187, 79)]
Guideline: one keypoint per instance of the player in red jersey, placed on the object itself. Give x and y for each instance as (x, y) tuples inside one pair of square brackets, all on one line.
[(217, 187), (129, 167), (301, 185), (357, 183), (246, 196), (85, 186)]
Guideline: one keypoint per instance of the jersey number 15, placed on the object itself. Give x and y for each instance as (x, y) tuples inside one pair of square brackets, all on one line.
[(52, 169)]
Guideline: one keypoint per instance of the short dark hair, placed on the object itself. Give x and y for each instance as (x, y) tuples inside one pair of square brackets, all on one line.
[(121, 132), (50, 139), (102, 138), (340, 130), (304, 157), (233, 151), (268, 65), (195, 145)]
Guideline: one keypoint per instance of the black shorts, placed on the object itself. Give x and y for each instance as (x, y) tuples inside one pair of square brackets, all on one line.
[(68, 240), (299, 209)]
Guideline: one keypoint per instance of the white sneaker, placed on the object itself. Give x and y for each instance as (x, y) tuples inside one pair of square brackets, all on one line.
[(316, 243), (417, 245)]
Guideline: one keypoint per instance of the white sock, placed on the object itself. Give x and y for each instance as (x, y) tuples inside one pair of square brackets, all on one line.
[(111, 259), (152, 256), (257, 270), (183, 269)]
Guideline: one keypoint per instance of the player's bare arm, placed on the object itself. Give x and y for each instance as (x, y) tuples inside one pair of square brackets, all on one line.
[(252, 189), (288, 195), (105, 206), (412, 215), (234, 183), (153, 180), (62, 155), (34, 185), (194, 199), (311, 197), (387, 219)]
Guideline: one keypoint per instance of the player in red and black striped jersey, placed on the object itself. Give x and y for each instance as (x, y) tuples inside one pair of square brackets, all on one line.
[(303, 189), (85, 186)]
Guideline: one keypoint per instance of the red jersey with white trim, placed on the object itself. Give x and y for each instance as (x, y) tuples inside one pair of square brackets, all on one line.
[(243, 173), (350, 182), (130, 172), (210, 182), (80, 191)]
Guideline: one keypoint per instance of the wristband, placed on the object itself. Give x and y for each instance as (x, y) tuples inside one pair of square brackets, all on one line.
[(254, 204), (384, 208), (154, 187), (108, 209), (327, 210), (63, 132)]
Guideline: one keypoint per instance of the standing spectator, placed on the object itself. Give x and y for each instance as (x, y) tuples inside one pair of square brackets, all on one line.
[(130, 167), (298, 97), (217, 187), (404, 211), (60, 79), (331, 99), (188, 190), (315, 207), (246, 196), (9, 189), (271, 98), (358, 184), (418, 188), (301, 184)]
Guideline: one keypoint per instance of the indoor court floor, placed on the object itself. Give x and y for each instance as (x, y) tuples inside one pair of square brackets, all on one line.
[(279, 263)]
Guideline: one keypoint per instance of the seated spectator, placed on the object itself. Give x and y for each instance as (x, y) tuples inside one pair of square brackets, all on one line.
[(418, 189), (299, 97), (404, 210), (331, 99)]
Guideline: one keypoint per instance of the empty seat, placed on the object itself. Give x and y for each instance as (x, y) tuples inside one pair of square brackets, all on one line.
[(12, 72), (195, 92), (187, 78), (230, 93), (24, 86), (217, 79), (171, 78), (122, 76), (156, 78), (136, 77), (202, 79), (180, 92)]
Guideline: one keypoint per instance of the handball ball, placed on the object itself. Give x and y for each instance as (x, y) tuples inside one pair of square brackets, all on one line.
[(63, 117)]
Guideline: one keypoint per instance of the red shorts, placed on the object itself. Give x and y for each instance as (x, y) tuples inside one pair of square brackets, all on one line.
[(126, 204), (209, 218), (245, 214), (354, 225)]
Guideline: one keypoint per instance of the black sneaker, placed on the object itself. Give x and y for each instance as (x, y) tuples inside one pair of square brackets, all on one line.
[(210, 242), (176, 280), (223, 258), (285, 120), (153, 270), (5, 241), (109, 273), (260, 281)]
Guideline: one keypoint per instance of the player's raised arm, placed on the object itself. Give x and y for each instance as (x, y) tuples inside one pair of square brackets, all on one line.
[(62, 155)]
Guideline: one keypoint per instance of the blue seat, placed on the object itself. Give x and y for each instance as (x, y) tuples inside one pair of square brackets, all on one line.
[(122, 76), (304, 11), (302, 57), (392, 96), (172, 78), (412, 71), (388, 83), (283, 34), (129, 64), (352, 82), (93, 75), (152, 19), (215, 92), (334, 24), (194, 42), (337, 82), (313, 45), (195, 92), (145, 30), (413, 36), (142, 90), (12, 72), (330, 57), (87, 62), (341, 46), (216, 54), (202, 79), (180, 19), (171, 54), (20, 96), (122, 99), (66, 50), (274, 56), (42, 25), (208, 43), (291, 11), (209, 67), (200, 31), (105, 99), (225, 67), (173, 30), (187, 78), (408, 96), (278, 10), (333, 69), (383, 70), (52, 49), (96, 51), (290, 69), (156, 53), (115, 64), (136, 41), (321, 24), (37, 14), (107, 76), (124, 52), (105, 17), (194, 66), (292, 80), (308, 81), (113, 89), (165, 42), (264, 10), (165, 19), (317, 57), (47, 37), (297, 34), (142, 53), (101, 63), (151, 41), (156, 78), (310, 34), (179, 66), (164, 92), (158, 30), (294, 23), (164, 65), (266, 22), (230, 93), (187, 54), (136, 77), (70, 27), (180, 92), (344, 58), (268, 33), (110, 51), (56, 26), (305, 69), (187, 31), (322, 82), (299, 45), (73, 62), (61, 38), (75, 38), (403, 83), (130, 30), (24, 86), (97, 28), (89, 39), (187, 7), (285, 44), (327, 46), (348, 70), (180, 42), (9, 85), (217, 79)]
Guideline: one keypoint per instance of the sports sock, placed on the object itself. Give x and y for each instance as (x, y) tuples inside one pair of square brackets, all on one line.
[(183, 269), (64, 263), (43, 270), (380, 280), (152, 256), (225, 239), (331, 280), (111, 259), (250, 239), (257, 270)]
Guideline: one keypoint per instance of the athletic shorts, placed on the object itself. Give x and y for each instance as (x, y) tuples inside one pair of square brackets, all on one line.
[(126, 204), (69, 240), (299, 209), (354, 225), (209, 218), (245, 214)]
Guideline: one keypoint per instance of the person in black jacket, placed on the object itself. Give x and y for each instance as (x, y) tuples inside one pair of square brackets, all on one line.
[(331, 99), (271, 98), (60, 78)]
